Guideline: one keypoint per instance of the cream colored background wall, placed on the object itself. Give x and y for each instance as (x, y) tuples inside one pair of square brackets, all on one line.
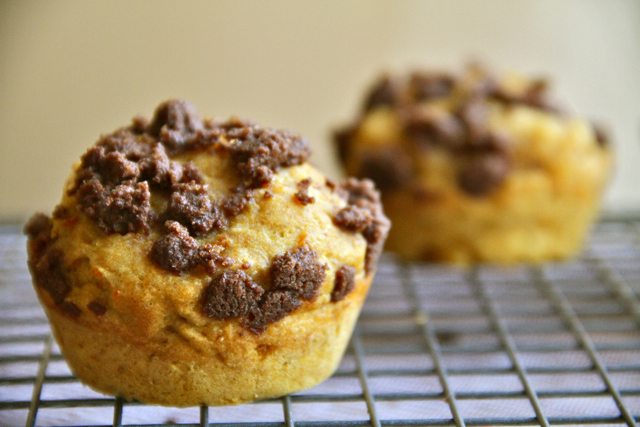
[(70, 70)]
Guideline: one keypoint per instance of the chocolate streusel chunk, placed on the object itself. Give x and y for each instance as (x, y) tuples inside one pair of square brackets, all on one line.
[(344, 283), (210, 256), (174, 116), (299, 271), (385, 92), (363, 195), (47, 274), (259, 153), (425, 86), (274, 306), (353, 219), (121, 209), (483, 174), (388, 167), (231, 295), (177, 250), (302, 195), (38, 229), (191, 205), (428, 130), (602, 137), (237, 201)]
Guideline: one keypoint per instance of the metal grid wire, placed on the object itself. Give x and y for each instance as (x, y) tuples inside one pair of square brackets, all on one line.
[(557, 344)]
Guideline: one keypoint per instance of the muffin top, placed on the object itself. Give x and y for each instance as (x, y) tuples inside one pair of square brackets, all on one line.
[(187, 221), (465, 134)]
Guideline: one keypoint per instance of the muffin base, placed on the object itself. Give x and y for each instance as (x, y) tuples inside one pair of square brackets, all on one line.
[(528, 220), (295, 353)]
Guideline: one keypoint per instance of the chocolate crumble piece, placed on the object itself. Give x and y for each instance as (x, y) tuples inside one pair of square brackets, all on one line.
[(45, 262), (353, 219), (237, 201), (385, 92), (190, 205), (120, 209), (298, 271), (483, 174), (174, 116), (210, 256), (426, 86), (97, 308), (342, 137), (344, 283), (231, 295), (48, 275), (259, 153), (428, 130), (302, 196), (363, 195), (275, 305), (388, 167), (177, 250), (602, 138), (38, 229)]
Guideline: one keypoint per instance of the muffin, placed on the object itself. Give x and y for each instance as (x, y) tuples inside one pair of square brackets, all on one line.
[(474, 168), (199, 262)]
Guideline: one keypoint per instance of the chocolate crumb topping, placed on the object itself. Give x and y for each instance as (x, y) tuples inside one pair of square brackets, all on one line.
[(231, 295), (114, 183), (385, 92), (275, 305), (342, 137), (47, 273), (259, 153), (463, 133), (237, 201), (428, 130), (344, 283), (388, 167), (97, 308), (483, 174), (120, 209), (302, 196), (177, 250), (38, 229), (425, 86), (294, 276), (353, 218), (45, 262), (602, 138), (299, 271), (210, 256), (174, 116), (363, 195), (190, 205)]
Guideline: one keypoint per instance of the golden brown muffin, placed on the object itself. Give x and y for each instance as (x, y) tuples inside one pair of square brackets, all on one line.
[(197, 262), (473, 168)]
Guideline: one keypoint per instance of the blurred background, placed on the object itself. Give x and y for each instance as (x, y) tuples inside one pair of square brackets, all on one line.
[(71, 70)]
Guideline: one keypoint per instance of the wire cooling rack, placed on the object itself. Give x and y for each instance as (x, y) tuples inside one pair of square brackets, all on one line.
[(557, 344)]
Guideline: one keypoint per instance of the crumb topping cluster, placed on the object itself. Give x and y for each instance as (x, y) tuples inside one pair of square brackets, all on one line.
[(485, 154), (119, 175)]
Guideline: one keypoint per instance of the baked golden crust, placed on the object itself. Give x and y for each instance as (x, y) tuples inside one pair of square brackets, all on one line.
[(139, 312), (480, 170)]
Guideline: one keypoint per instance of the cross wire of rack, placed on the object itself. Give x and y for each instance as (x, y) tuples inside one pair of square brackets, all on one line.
[(557, 344)]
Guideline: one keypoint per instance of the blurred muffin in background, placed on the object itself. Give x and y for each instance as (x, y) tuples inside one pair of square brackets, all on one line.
[(475, 168)]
